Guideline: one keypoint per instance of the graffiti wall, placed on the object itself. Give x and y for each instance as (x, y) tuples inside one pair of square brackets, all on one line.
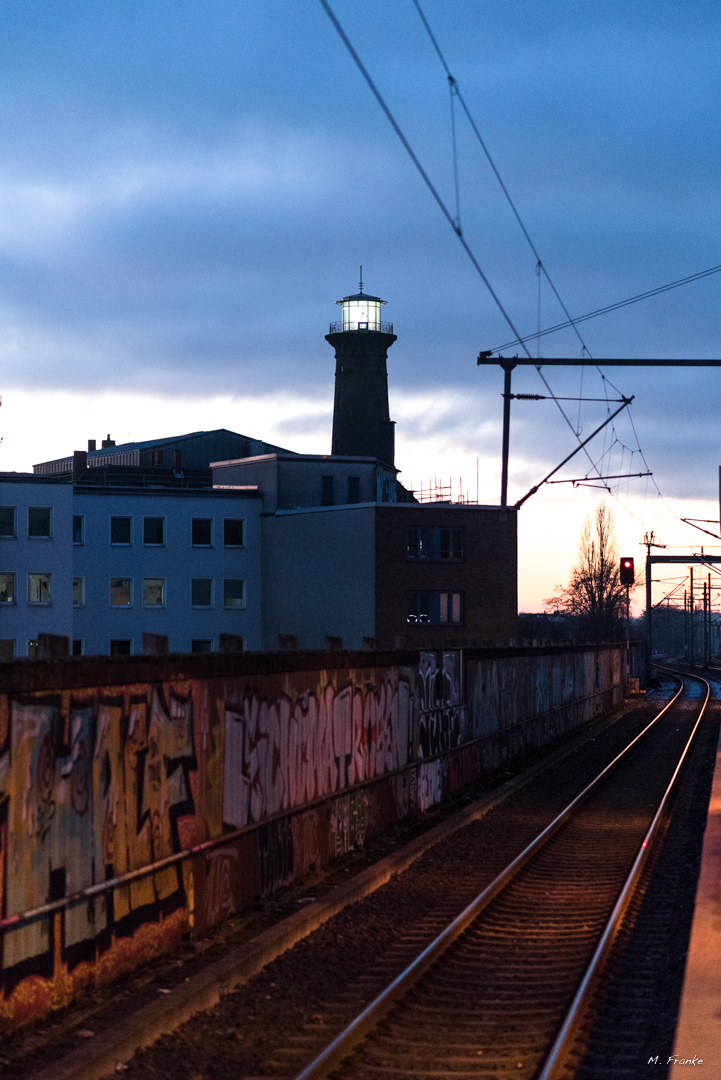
[(281, 771)]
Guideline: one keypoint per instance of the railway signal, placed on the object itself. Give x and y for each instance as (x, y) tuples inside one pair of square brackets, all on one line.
[(627, 572)]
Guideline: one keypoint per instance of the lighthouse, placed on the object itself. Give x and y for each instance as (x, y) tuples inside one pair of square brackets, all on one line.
[(362, 426)]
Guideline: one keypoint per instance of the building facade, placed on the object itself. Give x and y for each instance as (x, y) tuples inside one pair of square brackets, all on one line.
[(215, 541), (377, 573), (36, 562), (104, 565), (179, 564)]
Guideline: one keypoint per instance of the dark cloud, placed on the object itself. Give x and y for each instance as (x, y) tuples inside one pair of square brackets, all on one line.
[(185, 190)]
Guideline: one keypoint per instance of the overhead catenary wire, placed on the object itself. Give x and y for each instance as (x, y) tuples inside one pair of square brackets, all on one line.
[(444, 209), (427, 180), (491, 162), (609, 307), (455, 224), (454, 141), (540, 266)]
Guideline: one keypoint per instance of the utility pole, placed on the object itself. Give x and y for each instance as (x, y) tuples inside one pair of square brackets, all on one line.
[(705, 624), (508, 366), (649, 542), (628, 640), (708, 622), (691, 608)]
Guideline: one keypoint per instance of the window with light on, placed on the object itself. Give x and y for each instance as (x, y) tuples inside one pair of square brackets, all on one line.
[(120, 592), (153, 592), (435, 608), (39, 588), (361, 312), (7, 588)]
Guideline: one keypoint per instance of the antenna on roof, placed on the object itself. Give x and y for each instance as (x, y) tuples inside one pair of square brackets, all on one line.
[(360, 287)]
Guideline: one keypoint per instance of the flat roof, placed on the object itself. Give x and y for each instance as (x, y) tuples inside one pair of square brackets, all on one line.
[(297, 458), (247, 491), (386, 506)]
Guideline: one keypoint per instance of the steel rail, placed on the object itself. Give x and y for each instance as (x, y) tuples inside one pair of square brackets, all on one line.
[(337, 1050), (554, 1065)]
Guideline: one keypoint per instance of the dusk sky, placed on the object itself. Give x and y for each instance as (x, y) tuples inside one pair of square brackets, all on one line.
[(186, 189)]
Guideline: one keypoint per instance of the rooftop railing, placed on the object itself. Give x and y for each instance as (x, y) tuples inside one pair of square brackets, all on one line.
[(383, 328)]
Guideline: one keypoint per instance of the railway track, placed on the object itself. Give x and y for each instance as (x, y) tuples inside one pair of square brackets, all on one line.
[(507, 987)]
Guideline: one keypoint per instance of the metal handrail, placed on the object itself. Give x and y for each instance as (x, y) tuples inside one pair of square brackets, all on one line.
[(382, 328)]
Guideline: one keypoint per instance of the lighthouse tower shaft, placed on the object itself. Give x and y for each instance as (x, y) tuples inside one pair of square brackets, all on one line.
[(362, 426)]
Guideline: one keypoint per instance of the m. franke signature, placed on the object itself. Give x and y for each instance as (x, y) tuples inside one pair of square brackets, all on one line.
[(676, 1060)]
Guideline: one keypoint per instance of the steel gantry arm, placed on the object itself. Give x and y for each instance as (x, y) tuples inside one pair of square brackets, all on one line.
[(586, 361), (519, 504), (509, 363)]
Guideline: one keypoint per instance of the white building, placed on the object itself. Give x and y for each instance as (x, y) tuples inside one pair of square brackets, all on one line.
[(103, 565), (36, 562), (177, 563)]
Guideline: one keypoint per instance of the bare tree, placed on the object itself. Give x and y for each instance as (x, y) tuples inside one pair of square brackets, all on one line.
[(594, 594)]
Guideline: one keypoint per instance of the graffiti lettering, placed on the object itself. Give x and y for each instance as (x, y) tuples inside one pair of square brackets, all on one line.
[(282, 754), (97, 782), (219, 899)]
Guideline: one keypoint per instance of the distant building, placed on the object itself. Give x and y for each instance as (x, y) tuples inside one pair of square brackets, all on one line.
[(178, 453)]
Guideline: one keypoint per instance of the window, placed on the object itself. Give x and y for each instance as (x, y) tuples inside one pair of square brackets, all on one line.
[(233, 532), (7, 648), (153, 591), (7, 521), (39, 522), (7, 588), (120, 646), (32, 647), (201, 592), (78, 591), (120, 591), (201, 532), (40, 588), (78, 529), (435, 545), (233, 593), (153, 529), (77, 647), (326, 491), (435, 608), (354, 489), (201, 645), (120, 530), (156, 457)]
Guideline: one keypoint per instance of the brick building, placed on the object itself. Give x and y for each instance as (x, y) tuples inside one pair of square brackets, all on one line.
[(445, 575)]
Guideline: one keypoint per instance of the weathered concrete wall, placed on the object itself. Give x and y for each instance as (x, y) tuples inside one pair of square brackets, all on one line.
[(282, 762)]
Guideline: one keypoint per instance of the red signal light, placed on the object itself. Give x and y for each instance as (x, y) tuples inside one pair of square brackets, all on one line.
[(627, 575)]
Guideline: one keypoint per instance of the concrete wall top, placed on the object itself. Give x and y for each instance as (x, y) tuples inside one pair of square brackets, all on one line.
[(27, 676)]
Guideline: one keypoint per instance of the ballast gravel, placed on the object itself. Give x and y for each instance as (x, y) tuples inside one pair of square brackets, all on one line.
[(247, 1033)]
